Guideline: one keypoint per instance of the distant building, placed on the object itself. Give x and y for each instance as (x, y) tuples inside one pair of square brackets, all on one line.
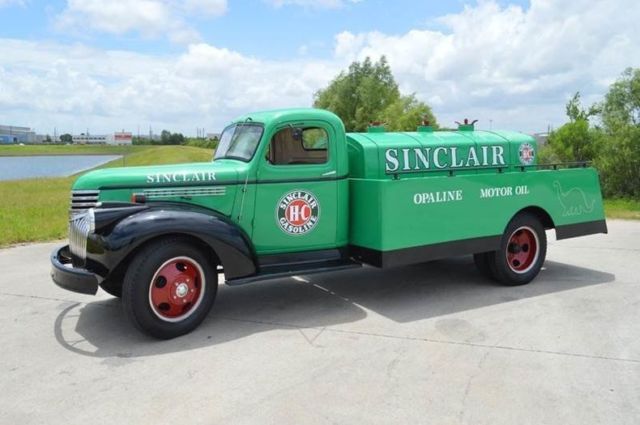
[(117, 138), (13, 134), (89, 139), (122, 138), (213, 136), (541, 138)]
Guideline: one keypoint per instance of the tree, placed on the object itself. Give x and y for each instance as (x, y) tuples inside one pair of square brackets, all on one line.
[(575, 140), (576, 112), (619, 162), (406, 113), (176, 139), (622, 103), (66, 138), (169, 138), (368, 92), (165, 137), (619, 157)]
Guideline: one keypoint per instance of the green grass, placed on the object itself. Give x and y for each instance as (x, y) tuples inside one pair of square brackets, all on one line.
[(30, 150), (627, 209), (37, 209)]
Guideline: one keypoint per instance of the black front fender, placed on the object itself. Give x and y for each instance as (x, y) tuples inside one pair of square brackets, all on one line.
[(230, 243)]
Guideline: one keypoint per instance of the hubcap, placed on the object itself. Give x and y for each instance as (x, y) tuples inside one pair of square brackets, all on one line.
[(182, 289), (522, 249), (177, 288)]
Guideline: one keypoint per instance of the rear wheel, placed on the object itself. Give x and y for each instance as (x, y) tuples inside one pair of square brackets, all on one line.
[(169, 288), (522, 252)]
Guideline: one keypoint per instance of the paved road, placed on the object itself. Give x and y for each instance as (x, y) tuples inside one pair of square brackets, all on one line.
[(433, 343)]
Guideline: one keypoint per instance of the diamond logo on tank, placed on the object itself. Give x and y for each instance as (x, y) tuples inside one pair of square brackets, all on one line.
[(298, 212), (526, 154)]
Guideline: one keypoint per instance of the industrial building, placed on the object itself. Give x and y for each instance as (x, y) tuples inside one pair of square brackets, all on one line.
[(13, 134), (117, 138)]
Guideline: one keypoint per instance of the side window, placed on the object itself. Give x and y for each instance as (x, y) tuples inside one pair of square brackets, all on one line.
[(299, 145)]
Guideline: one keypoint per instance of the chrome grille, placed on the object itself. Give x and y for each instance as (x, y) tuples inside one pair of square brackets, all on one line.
[(82, 200), (80, 226)]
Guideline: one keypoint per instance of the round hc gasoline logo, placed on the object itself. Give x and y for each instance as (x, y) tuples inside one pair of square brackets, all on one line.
[(298, 212), (526, 153)]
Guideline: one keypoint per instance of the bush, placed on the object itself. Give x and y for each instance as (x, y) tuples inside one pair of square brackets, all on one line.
[(619, 162), (202, 143)]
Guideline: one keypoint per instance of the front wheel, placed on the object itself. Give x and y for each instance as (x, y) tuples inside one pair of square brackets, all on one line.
[(522, 251), (169, 288), (112, 288)]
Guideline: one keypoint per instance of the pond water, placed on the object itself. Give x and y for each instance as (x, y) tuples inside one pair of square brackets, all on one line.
[(25, 167)]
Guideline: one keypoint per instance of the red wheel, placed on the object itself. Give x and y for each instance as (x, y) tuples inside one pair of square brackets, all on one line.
[(176, 289), (522, 249), (169, 287)]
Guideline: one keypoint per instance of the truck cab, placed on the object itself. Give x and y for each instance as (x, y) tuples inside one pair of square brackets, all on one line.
[(300, 165), (289, 192)]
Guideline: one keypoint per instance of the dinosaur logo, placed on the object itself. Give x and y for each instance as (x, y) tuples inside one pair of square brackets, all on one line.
[(574, 201)]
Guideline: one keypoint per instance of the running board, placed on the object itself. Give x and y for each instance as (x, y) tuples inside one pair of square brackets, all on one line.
[(278, 272)]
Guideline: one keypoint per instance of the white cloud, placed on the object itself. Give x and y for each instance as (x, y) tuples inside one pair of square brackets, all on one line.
[(313, 4), (7, 3), (491, 61), (75, 87), (512, 66), (151, 18), (206, 7)]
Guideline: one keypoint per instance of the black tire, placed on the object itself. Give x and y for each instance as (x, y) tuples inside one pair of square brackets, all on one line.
[(525, 238), (149, 266), (112, 288), (483, 261)]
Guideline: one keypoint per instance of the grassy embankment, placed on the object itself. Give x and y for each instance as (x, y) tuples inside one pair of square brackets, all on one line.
[(37, 209), (30, 150), (627, 209)]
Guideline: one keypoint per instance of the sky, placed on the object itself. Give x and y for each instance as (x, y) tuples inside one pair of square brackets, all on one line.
[(103, 66)]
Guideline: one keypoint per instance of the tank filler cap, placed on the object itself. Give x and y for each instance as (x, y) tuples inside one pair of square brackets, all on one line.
[(425, 126), (375, 127), (466, 125)]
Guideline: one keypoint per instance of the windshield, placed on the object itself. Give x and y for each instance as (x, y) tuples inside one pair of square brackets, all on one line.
[(239, 141)]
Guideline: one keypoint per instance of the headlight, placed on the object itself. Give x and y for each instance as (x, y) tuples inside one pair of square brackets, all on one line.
[(80, 227)]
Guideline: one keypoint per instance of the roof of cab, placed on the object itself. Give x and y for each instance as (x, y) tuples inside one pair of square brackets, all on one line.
[(291, 114)]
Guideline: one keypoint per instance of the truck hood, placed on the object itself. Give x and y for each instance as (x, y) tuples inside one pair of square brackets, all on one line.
[(192, 174)]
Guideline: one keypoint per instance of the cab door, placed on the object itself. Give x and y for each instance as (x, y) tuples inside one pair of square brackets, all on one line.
[(296, 203)]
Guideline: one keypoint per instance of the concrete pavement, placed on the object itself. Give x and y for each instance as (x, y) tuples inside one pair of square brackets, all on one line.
[(433, 343)]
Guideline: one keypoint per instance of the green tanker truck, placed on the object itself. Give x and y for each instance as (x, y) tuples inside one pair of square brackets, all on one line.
[(289, 192)]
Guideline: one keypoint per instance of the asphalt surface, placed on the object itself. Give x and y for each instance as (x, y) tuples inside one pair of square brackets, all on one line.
[(433, 343)]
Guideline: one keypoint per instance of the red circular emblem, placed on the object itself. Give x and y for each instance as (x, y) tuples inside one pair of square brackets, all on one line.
[(298, 212), (526, 153)]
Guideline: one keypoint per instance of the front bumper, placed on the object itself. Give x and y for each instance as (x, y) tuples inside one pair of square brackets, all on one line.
[(71, 278)]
